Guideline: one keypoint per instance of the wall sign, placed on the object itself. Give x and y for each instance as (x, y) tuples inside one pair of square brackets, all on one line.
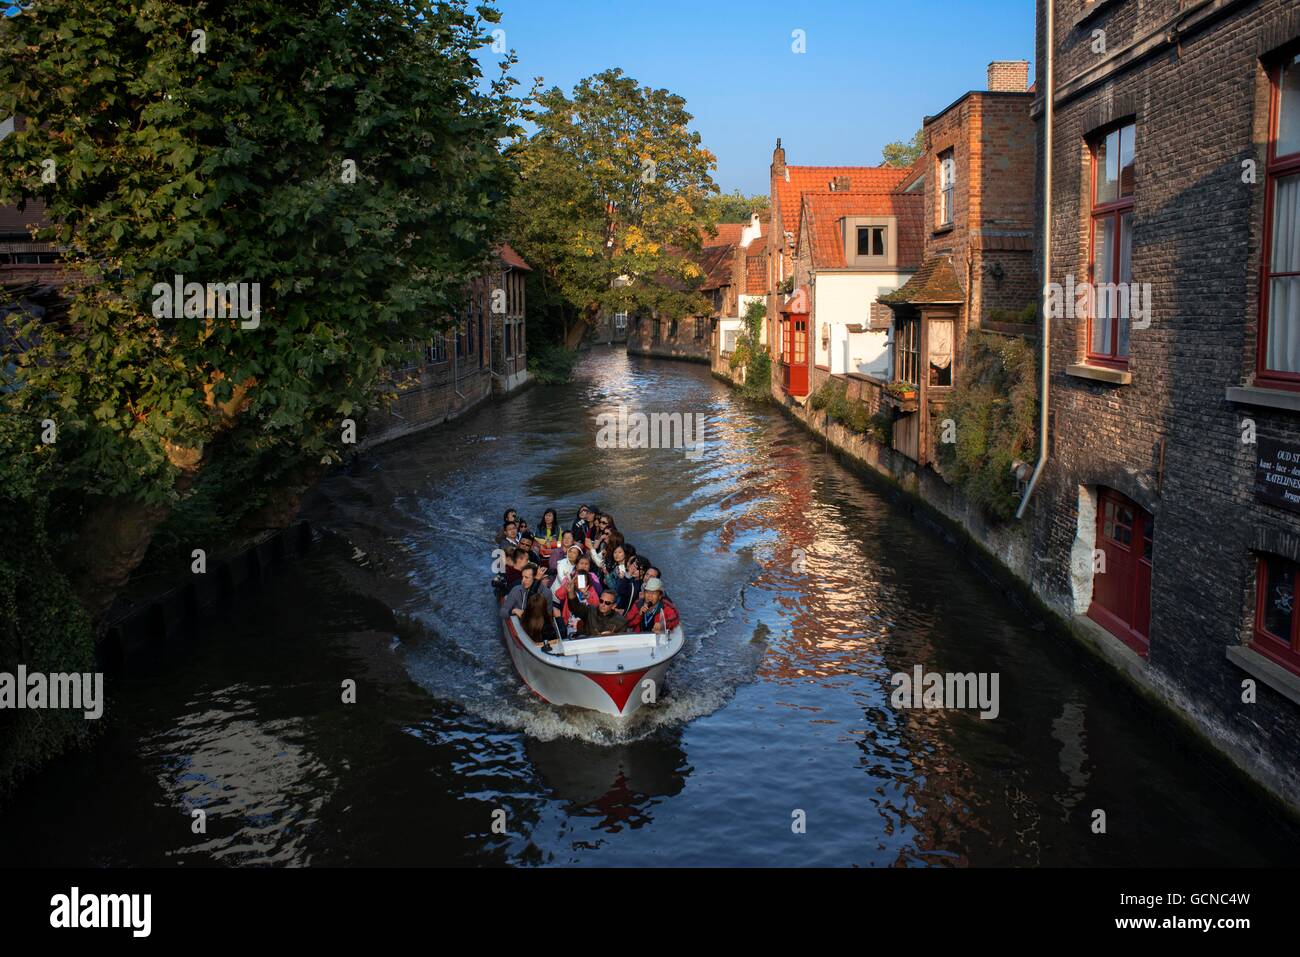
[(1277, 474)]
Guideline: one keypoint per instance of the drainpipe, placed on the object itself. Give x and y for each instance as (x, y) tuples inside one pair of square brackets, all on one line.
[(1046, 352)]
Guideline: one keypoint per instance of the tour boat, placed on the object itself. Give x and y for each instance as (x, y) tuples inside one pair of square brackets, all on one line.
[(614, 674)]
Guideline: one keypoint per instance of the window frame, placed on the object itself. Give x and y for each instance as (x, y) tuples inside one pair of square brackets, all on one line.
[(1114, 210), (1275, 168), (947, 188), (1282, 651), (909, 346)]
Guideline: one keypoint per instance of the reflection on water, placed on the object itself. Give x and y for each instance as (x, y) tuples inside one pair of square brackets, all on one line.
[(802, 591)]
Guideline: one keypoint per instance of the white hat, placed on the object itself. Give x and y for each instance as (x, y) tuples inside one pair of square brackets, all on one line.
[(653, 584)]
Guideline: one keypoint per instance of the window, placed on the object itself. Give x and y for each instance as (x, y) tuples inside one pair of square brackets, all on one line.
[(508, 333), (873, 241), (437, 350), (940, 343), (620, 321), (1111, 248), (947, 187), (1276, 622), (909, 351), (672, 329), (1279, 346), (699, 329)]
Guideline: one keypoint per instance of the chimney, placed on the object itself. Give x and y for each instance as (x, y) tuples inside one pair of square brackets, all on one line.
[(1008, 76), (778, 160)]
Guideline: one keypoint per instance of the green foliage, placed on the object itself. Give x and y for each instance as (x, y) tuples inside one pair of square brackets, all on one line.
[(901, 389), (614, 186), (736, 207), (42, 625), (224, 165), (550, 363), (832, 398), (904, 153), (750, 354), (1027, 316), (995, 408), (228, 166)]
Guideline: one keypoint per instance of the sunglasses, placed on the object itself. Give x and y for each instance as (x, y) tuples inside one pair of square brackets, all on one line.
[(603, 602)]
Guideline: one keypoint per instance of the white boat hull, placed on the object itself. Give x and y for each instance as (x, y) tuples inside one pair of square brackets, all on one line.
[(616, 676)]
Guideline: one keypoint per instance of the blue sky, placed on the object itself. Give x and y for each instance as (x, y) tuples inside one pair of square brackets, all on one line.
[(873, 68)]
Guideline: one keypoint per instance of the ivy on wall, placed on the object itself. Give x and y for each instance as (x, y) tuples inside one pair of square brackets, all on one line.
[(994, 408)]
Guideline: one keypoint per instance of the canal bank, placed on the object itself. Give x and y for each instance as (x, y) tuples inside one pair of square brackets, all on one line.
[(1003, 553)]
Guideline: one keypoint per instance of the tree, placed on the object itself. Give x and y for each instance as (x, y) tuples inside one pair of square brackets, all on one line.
[(341, 158), (614, 187), (904, 154), (736, 207)]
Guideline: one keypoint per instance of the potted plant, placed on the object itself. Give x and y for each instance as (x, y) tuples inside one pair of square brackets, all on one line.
[(901, 389)]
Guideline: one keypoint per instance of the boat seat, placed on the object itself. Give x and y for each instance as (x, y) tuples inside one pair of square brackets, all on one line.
[(606, 643)]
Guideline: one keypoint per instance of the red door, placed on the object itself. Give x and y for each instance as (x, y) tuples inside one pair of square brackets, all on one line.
[(1121, 588), (797, 356)]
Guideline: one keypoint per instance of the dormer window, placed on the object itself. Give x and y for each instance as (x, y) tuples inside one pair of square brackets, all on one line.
[(870, 242), (873, 240), (840, 184)]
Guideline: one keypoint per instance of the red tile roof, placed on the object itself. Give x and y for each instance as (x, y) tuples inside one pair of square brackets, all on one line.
[(512, 258), (727, 233), (715, 261), (817, 179), (825, 214), (756, 267)]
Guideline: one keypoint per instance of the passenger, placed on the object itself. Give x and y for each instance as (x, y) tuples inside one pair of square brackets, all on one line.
[(517, 597), (616, 570), (629, 588), (580, 583), (536, 619), (528, 543), (560, 553), (508, 537), (548, 532), (654, 612), (565, 565), (542, 584), (603, 619), (582, 524), (517, 559), (510, 516)]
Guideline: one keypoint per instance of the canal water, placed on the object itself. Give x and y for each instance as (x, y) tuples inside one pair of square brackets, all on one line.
[(802, 590)]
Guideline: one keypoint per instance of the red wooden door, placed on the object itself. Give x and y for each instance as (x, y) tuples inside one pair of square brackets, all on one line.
[(798, 358), (1121, 593)]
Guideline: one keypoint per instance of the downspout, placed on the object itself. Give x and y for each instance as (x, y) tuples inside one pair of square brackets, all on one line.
[(1046, 352)]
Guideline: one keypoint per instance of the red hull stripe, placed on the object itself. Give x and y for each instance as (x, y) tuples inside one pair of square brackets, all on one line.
[(619, 687)]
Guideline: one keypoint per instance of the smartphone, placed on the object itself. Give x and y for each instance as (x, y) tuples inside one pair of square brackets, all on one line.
[(582, 581)]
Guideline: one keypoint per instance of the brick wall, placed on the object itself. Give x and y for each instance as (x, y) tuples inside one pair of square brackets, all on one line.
[(1169, 439)]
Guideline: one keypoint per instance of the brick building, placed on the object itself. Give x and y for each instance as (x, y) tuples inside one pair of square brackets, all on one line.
[(1167, 521), (977, 270), (485, 354), (788, 332)]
